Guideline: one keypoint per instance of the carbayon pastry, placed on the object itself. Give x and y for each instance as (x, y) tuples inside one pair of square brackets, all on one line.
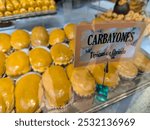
[(127, 69), (6, 95), (82, 81), (2, 64), (61, 54), (70, 30), (20, 39), (17, 64), (5, 45), (40, 59), (142, 62), (39, 36), (26, 93), (111, 78), (57, 36), (57, 87)]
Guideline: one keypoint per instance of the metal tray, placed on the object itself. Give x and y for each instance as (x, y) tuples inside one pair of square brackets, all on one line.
[(26, 15), (125, 89)]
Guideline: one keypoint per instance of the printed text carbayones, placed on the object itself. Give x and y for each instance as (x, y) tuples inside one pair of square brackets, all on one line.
[(103, 38)]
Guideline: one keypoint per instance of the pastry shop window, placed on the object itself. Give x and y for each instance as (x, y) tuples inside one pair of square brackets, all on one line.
[(38, 49)]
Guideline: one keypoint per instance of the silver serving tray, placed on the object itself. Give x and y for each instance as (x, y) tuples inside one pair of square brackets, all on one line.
[(26, 15), (125, 89)]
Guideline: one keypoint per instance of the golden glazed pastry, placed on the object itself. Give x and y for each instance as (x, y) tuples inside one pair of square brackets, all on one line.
[(82, 81), (70, 30), (57, 87), (20, 39), (32, 3), (26, 93), (8, 13), (39, 36), (2, 105), (61, 54), (9, 5), (17, 63), (2, 63), (23, 11), (31, 9), (4, 42), (16, 4), (111, 78), (46, 2), (39, 2), (24, 3), (7, 93), (13, 7), (38, 9), (127, 69), (56, 36), (52, 7), (2, 5), (142, 62), (1, 14), (52, 2), (40, 59)]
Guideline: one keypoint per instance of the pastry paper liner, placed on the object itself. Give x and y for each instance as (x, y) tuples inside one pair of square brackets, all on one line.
[(39, 109), (83, 96), (44, 102), (43, 47), (125, 77), (53, 30), (112, 88), (64, 30), (64, 64)]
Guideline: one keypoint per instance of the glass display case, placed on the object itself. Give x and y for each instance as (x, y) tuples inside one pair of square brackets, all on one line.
[(42, 73)]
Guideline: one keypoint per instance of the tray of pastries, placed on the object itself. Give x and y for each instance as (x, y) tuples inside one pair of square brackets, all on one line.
[(37, 73), (17, 9)]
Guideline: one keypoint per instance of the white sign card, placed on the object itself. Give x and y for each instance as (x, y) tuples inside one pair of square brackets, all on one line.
[(107, 41)]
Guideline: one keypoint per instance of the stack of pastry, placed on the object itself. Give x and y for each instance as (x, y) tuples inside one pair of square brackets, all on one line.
[(13, 7), (136, 5), (25, 57), (36, 69), (110, 15)]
